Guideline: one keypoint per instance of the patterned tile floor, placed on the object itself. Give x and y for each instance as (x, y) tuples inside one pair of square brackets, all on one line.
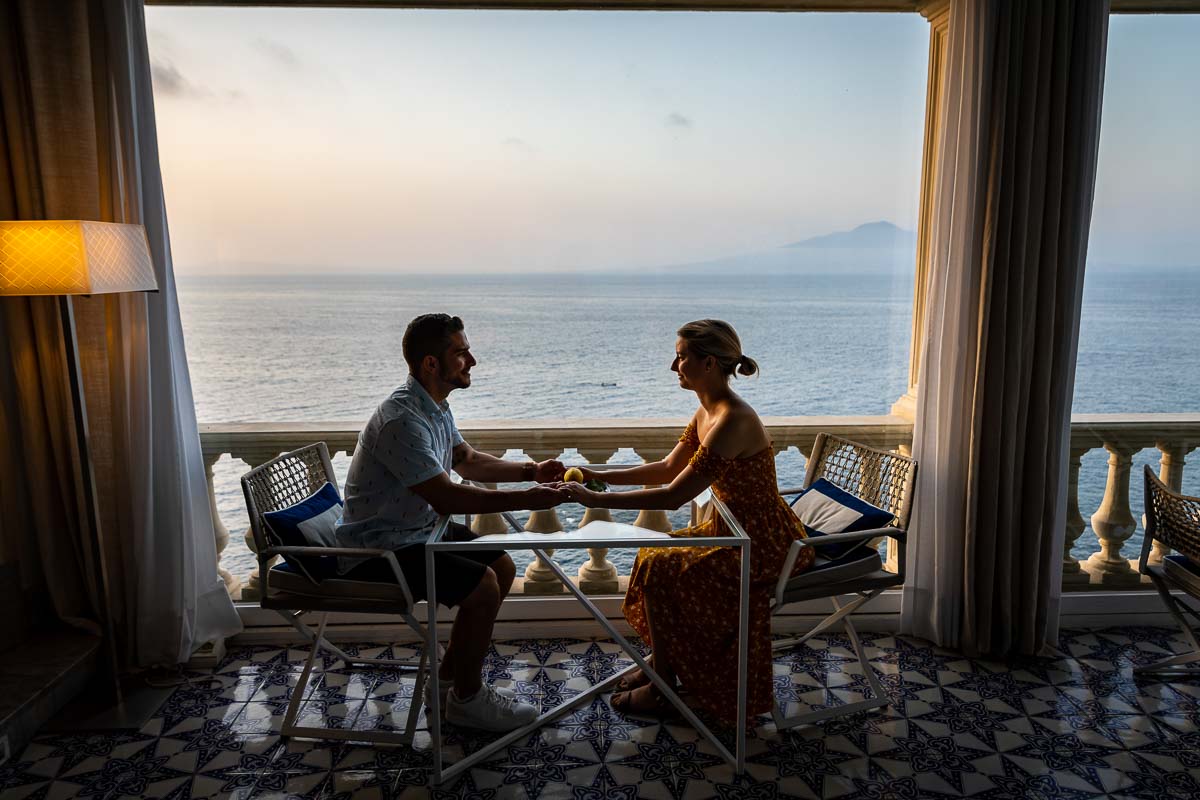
[(1071, 727)]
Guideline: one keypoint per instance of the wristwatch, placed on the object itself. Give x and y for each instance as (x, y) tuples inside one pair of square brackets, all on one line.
[(528, 471)]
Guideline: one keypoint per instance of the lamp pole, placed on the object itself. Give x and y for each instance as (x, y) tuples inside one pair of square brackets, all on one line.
[(91, 507)]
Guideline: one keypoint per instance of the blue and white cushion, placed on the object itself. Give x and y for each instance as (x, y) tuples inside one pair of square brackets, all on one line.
[(826, 509), (309, 523)]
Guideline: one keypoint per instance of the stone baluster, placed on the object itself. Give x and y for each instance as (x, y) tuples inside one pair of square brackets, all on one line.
[(252, 590), (1170, 472), (220, 533), (486, 524), (653, 519), (539, 577), (1113, 522), (597, 575), (1072, 572)]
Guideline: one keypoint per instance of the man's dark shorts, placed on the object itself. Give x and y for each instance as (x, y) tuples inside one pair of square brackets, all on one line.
[(457, 573)]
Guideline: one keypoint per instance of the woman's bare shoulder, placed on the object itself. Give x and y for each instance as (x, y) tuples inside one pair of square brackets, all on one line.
[(736, 431)]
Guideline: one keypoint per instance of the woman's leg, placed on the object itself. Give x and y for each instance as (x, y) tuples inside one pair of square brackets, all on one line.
[(645, 697)]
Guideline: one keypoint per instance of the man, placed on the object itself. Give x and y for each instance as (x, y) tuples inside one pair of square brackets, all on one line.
[(399, 484)]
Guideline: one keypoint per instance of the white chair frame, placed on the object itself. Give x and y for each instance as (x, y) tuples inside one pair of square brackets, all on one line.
[(875, 476), (284, 481)]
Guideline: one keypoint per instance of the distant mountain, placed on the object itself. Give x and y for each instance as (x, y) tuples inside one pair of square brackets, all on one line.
[(875, 247), (869, 235)]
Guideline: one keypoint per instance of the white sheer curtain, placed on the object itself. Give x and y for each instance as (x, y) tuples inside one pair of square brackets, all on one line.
[(1012, 207), (80, 133), (181, 600)]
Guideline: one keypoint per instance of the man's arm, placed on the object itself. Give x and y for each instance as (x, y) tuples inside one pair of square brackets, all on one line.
[(485, 468), (448, 497)]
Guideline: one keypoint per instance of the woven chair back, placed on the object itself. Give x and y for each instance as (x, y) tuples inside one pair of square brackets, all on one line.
[(1172, 518), (882, 478), (282, 482)]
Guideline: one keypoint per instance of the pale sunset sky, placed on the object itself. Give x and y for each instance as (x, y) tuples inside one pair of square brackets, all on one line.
[(516, 141)]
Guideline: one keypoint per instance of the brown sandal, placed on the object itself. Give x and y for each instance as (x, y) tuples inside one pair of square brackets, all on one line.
[(655, 705), (634, 680)]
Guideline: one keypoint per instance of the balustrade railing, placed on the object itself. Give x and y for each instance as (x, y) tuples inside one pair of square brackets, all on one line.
[(597, 441), (1122, 436)]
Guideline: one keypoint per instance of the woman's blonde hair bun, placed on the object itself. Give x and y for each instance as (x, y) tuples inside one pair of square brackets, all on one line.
[(717, 338)]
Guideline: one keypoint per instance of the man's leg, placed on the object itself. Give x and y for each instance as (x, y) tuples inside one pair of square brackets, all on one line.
[(471, 636), (506, 573)]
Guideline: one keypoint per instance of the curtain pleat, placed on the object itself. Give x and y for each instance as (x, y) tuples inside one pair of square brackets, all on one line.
[(1012, 262)]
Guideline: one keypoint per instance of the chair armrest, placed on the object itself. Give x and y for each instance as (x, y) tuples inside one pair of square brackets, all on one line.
[(352, 552), (856, 536), (789, 562), (791, 490)]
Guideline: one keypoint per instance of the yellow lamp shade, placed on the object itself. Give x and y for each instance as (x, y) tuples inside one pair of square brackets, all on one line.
[(52, 257)]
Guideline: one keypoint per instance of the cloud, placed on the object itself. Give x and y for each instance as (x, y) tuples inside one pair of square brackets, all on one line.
[(519, 144), (677, 120), (168, 80), (278, 52)]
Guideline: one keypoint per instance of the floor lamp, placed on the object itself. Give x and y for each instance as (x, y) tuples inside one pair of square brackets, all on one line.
[(73, 257)]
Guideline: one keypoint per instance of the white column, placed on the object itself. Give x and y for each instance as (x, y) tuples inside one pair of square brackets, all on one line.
[(1113, 522), (252, 591), (220, 533), (539, 577), (485, 524), (597, 575), (653, 519), (1072, 571)]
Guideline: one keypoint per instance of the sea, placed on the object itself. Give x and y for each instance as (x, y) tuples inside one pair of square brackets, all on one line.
[(273, 349)]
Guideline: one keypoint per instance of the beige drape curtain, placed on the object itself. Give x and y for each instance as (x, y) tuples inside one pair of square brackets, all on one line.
[(1012, 209), (79, 143), (44, 539)]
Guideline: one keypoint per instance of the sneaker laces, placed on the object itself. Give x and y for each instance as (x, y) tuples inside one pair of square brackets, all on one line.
[(499, 699)]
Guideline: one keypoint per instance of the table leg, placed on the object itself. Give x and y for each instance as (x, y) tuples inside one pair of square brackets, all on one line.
[(435, 713), (667, 691), (743, 655)]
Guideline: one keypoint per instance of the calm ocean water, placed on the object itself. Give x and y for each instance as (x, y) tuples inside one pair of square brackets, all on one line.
[(302, 348)]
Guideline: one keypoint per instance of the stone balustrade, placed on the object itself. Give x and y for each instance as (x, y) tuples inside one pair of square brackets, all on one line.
[(1122, 436), (596, 441)]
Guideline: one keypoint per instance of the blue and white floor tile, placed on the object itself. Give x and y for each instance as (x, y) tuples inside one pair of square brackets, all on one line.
[(1077, 726)]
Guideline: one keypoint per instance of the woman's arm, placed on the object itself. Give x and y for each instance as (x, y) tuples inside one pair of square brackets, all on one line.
[(724, 439), (655, 472), (686, 485)]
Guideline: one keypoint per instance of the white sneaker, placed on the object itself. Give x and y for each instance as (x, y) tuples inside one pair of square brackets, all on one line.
[(444, 687), (489, 710)]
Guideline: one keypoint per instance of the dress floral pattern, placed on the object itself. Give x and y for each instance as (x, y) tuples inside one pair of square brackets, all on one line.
[(693, 591)]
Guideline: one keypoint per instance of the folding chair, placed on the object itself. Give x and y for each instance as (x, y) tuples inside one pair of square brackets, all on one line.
[(1174, 520), (884, 480), (290, 590)]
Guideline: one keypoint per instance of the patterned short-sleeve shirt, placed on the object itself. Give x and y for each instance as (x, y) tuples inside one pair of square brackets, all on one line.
[(408, 440)]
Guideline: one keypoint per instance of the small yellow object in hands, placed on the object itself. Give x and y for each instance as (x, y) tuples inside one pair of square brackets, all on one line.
[(573, 474)]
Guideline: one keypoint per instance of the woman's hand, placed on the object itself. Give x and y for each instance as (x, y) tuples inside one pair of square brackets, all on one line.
[(579, 493)]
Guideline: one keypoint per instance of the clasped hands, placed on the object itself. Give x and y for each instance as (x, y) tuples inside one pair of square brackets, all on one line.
[(553, 490)]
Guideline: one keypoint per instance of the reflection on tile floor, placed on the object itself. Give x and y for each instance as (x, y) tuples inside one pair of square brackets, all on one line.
[(1070, 727)]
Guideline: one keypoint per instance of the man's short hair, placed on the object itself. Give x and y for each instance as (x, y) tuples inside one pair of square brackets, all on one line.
[(428, 335)]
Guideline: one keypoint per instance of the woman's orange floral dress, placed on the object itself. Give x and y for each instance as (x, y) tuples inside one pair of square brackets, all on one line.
[(693, 591)]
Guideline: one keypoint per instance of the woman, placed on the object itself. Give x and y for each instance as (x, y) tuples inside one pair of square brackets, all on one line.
[(684, 600)]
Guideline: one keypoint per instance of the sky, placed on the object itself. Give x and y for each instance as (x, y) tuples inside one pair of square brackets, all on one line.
[(416, 141)]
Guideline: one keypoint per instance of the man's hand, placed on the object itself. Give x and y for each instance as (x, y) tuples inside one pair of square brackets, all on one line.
[(549, 470), (542, 497)]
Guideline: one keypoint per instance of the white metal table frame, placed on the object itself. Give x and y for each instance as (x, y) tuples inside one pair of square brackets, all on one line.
[(595, 534)]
